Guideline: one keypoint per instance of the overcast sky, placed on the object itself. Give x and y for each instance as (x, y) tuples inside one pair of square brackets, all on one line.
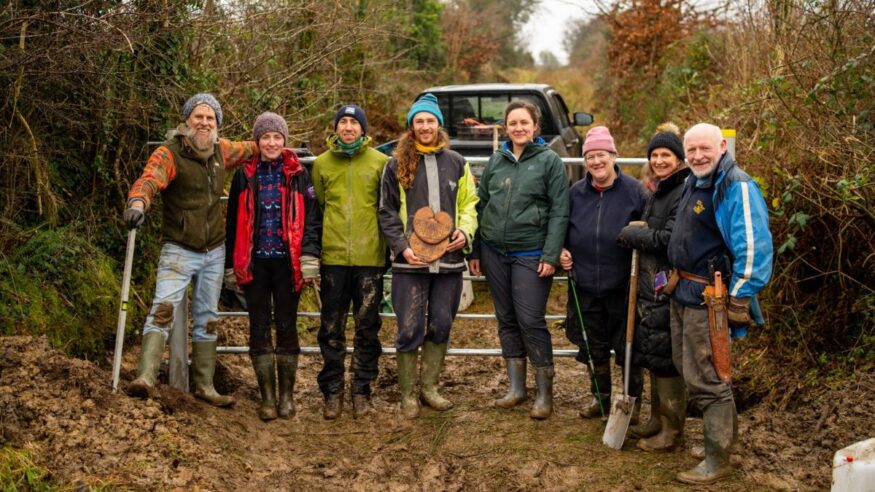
[(546, 28)]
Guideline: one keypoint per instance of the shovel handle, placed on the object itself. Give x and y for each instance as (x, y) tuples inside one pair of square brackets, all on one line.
[(123, 309), (633, 298)]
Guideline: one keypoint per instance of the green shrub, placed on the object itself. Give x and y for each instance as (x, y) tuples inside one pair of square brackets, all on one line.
[(60, 285)]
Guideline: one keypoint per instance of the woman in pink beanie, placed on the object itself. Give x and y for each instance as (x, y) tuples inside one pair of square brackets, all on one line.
[(601, 204)]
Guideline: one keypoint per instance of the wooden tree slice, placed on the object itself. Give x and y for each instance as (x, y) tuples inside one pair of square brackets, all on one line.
[(428, 252), (431, 228)]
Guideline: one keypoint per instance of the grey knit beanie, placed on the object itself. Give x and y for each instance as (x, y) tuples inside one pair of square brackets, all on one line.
[(202, 98), (270, 122)]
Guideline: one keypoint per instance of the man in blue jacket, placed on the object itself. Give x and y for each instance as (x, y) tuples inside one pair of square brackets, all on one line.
[(722, 224)]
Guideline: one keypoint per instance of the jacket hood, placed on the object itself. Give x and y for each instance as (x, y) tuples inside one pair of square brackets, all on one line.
[(532, 148)]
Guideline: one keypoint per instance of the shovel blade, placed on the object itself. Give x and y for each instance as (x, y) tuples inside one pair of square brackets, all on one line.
[(618, 422)]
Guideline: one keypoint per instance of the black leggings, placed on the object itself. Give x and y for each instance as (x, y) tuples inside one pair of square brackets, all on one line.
[(272, 281)]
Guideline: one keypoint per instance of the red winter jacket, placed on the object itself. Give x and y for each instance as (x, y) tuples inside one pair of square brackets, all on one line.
[(300, 212)]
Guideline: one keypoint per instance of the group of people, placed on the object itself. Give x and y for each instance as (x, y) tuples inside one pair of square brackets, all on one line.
[(693, 217)]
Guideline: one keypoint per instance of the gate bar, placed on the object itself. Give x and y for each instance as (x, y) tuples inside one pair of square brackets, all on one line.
[(311, 314), (488, 352)]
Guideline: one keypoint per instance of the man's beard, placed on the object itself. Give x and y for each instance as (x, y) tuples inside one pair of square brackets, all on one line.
[(199, 141)]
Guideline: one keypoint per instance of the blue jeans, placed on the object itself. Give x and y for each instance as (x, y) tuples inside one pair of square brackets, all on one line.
[(177, 267)]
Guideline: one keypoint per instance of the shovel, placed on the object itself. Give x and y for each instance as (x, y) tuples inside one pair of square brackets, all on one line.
[(123, 310), (621, 407)]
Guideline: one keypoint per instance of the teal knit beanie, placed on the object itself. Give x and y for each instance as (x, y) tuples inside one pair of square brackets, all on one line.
[(428, 104)]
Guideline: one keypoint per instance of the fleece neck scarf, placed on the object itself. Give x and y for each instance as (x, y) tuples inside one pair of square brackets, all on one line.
[(349, 148), (429, 149)]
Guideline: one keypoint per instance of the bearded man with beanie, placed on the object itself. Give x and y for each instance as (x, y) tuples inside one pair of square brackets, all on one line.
[(188, 170), (346, 178), (273, 242), (721, 225)]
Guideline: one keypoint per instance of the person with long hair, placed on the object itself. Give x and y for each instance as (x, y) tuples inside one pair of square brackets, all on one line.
[(427, 213), (664, 430), (523, 214), (275, 243)]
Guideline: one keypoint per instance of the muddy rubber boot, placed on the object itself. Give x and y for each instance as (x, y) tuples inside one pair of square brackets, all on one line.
[(543, 406), (653, 424), (721, 428), (432, 363), (286, 368), (516, 387), (603, 377), (361, 406), (148, 365), (407, 370), (672, 415), (203, 364), (333, 407), (263, 365)]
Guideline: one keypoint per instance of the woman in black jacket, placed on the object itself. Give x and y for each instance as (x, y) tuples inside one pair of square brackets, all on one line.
[(652, 349), (273, 244)]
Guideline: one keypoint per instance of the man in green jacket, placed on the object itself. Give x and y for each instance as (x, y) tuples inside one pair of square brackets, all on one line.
[(347, 181)]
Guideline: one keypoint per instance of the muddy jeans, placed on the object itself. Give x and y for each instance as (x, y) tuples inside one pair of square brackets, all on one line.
[(271, 286), (416, 294), (364, 287), (177, 267), (520, 299), (691, 352)]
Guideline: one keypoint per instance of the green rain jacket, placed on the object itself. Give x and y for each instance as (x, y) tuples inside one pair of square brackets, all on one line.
[(348, 191), (523, 204)]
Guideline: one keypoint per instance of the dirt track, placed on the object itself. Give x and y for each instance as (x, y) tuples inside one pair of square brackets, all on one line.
[(62, 411)]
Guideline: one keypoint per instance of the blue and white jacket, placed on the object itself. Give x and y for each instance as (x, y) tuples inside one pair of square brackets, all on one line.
[(742, 219)]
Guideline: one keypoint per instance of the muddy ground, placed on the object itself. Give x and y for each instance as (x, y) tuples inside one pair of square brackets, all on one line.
[(61, 412)]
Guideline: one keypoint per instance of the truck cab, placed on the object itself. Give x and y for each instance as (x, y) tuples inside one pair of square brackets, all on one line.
[(474, 119)]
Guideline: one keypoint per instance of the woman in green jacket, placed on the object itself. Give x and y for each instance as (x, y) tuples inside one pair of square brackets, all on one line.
[(523, 214)]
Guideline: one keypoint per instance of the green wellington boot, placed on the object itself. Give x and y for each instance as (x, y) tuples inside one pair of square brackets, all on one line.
[(721, 429), (516, 387), (266, 376), (203, 364), (543, 406), (286, 368), (407, 371), (671, 414), (432, 362), (147, 368)]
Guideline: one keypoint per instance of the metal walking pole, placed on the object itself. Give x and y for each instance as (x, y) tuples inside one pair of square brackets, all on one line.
[(123, 310), (595, 381)]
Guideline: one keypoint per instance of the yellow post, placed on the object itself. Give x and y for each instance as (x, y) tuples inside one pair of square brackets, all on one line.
[(729, 135)]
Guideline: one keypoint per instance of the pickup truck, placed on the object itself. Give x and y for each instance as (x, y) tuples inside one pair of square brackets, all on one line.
[(474, 117)]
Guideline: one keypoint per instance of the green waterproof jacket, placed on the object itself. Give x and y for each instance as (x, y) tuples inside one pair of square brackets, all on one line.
[(523, 204), (348, 191)]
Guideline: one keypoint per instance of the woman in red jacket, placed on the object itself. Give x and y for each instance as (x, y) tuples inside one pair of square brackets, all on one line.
[(276, 248)]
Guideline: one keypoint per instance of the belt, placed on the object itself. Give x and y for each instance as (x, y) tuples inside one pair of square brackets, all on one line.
[(692, 277)]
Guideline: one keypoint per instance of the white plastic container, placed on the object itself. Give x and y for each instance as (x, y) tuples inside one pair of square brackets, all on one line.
[(853, 468)]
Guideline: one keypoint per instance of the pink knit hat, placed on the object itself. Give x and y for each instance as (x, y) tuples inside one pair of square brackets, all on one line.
[(599, 138)]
